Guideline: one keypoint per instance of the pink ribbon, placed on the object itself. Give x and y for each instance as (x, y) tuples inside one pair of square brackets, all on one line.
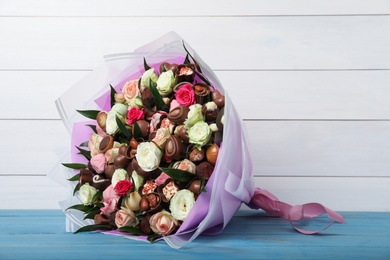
[(265, 200)]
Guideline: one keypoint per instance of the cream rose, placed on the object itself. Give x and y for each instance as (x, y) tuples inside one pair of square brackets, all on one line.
[(121, 109), (148, 156), (199, 134), (195, 115), (147, 76), (111, 125), (119, 175), (163, 223), (161, 137), (166, 82), (185, 165), (86, 193), (93, 144), (130, 90), (125, 217), (181, 204)]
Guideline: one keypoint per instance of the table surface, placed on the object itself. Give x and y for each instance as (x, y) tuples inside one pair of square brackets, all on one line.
[(40, 234)]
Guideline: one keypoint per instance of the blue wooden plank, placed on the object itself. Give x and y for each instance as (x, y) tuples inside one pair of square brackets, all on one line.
[(250, 235)]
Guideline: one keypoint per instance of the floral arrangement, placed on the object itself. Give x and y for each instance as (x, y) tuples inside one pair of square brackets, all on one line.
[(151, 155), (164, 155)]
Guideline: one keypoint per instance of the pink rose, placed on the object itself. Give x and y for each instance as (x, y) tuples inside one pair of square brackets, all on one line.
[(185, 96), (163, 223), (110, 201), (130, 90), (125, 217), (122, 187), (134, 114)]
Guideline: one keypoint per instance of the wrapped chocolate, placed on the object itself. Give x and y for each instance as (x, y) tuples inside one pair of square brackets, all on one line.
[(154, 177)]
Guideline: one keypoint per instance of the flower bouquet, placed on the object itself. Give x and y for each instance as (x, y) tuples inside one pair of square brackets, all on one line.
[(164, 154)]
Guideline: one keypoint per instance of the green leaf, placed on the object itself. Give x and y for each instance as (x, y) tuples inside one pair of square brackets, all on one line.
[(202, 185), (123, 140), (146, 66), (87, 154), (203, 78), (93, 127), (122, 127), (84, 144), (75, 166), (94, 228), (153, 237), (75, 178), (137, 130), (98, 196), (178, 175), (112, 95), (132, 230), (189, 54), (76, 188), (157, 97), (92, 213), (81, 207), (187, 60), (91, 114)]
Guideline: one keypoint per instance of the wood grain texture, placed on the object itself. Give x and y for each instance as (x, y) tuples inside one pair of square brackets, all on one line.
[(277, 94), (265, 43), (249, 235), (93, 8)]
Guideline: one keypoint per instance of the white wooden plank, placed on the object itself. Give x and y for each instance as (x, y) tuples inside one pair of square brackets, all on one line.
[(201, 7), (361, 194), (276, 94), (251, 43), (278, 148), (320, 148)]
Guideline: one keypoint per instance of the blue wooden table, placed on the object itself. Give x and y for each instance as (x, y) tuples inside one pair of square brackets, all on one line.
[(40, 234)]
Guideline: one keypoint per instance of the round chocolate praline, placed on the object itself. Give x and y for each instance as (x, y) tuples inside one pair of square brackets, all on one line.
[(204, 170)]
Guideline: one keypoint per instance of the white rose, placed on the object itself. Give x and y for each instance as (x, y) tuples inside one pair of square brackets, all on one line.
[(148, 156), (136, 102), (111, 125), (120, 109), (195, 115), (119, 175), (199, 134), (86, 193), (148, 75), (181, 204), (166, 82)]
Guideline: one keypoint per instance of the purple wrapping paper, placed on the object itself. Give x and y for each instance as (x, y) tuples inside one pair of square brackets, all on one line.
[(232, 181)]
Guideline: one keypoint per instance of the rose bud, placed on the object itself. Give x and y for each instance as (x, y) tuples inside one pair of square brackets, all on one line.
[(119, 98)]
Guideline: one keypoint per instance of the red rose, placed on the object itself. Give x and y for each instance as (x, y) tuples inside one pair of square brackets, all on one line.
[(122, 187), (185, 95), (134, 114)]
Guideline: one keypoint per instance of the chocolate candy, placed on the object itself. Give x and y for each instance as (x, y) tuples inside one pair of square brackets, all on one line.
[(197, 155), (204, 170), (100, 182), (185, 73), (85, 176), (106, 143), (143, 126), (210, 110), (145, 225), (195, 187), (179, 114), (182, 131), (202, 91), (218, 98), (121, 161), (138, 169), (101, 220), (144, 204), (212, 153), (165, 66), (174, 148), (147, 98), (109, 170)]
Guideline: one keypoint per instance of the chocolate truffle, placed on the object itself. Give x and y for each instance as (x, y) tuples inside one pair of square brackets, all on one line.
[(197, 155), (106, 143), (218, 98), (204, 170), (85, 176), (174, 148), (202, 92), (179, 114), (185, 73), (212, 153)]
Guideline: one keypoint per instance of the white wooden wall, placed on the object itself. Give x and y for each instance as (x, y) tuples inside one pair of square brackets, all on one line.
[(311, 79)]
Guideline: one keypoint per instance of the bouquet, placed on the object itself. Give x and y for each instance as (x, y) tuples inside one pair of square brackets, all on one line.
[(164, 154)]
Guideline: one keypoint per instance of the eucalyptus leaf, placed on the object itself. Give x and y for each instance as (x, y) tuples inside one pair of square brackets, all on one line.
[(81, 207), (91, 114), (75, 178), (85, 153), (122, 127), (178, 175), (187, 60), (93, 228), (153, 237), (132, 230), (137, 130), (123, 140), (76, 188), (157, 97), (75, 166), (146, 66), (196, 63), (93, 127), (112, 95)]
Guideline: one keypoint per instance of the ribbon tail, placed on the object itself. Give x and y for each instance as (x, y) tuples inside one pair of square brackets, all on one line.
[(266, 201)]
